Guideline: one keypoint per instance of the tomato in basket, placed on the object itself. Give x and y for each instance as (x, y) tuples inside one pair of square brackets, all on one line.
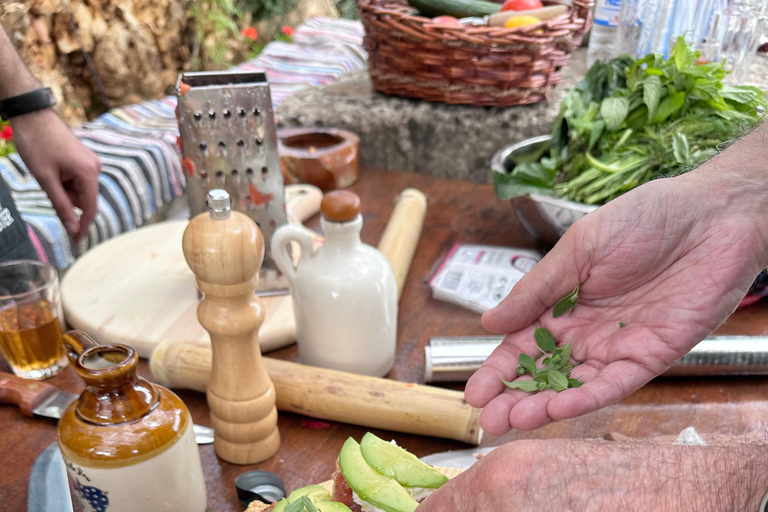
[(447, 20), (521, 5)]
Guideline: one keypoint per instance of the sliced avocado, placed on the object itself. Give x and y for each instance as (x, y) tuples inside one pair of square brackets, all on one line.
[(397, 463), (369, 484), (313, 492), (331, 506), (280, 505)]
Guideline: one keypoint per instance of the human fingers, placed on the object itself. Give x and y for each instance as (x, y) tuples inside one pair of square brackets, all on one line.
[(609, 385), (486, 383), (556, 275), (60, 201)]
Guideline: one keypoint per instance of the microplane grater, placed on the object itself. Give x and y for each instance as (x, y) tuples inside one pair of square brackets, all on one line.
[(229, 141)]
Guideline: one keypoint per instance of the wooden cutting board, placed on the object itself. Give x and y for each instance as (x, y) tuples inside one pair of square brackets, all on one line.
[(136, 288)]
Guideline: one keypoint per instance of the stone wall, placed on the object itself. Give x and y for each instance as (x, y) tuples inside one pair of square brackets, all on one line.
[(136, 46)]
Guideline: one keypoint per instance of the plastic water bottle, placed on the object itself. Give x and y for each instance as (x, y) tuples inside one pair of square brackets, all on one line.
[(603, 36)]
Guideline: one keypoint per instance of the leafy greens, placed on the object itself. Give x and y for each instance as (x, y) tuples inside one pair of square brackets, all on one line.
[(630, 121)]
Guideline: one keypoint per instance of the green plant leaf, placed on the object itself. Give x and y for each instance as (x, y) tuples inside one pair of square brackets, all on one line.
[(543, 386), (622, 324), (532, 178), (529, 386), (557, 381), (301, 504), (566, 303), (614, 112), (545, 340), (564, 353), (679, 53), (669, 106), (680, 148), (527, 362), (574, 383), (651, 94)]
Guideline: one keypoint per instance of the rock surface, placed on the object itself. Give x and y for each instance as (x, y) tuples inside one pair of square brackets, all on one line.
[(451, 141)]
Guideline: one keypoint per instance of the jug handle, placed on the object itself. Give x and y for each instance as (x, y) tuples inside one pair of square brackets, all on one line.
[(280, 240), (77, 342)]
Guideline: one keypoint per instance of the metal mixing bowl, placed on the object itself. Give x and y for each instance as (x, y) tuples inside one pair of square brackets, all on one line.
[(546, 218)]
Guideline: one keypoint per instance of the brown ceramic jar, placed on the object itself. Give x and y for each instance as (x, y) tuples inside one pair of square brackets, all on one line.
[(128, 445)]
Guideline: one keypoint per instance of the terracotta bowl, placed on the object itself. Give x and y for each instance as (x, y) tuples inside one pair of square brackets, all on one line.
[(326, 158)]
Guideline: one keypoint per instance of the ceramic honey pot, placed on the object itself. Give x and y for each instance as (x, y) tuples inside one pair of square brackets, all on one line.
[(344, 293), (225, 249), (128, 445)]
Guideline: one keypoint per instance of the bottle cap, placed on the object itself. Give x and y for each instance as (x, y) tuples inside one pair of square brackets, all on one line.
[(219, 204), (340, 206)]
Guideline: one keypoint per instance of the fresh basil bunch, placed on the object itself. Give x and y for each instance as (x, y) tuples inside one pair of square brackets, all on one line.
[(630, 121)]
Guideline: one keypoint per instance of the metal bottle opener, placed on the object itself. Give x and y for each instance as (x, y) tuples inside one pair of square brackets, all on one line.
[(229, 141)]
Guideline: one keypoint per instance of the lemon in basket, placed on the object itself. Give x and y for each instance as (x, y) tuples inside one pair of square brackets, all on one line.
[(521, 21)]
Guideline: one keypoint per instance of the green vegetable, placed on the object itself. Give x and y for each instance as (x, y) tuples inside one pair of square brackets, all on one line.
[(568, 302), (557, 371), (631, 121), (301, 504), (456, 8)]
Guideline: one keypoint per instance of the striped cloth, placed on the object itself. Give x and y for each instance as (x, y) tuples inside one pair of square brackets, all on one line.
[(141, 172)]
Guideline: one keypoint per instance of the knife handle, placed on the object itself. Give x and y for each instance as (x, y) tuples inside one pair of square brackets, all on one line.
[(27, 394)]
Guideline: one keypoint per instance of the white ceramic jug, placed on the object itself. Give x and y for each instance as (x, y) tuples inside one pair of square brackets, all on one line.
[(344, 293)]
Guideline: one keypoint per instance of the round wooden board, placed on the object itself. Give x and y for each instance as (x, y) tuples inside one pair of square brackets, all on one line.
[(136, 289)]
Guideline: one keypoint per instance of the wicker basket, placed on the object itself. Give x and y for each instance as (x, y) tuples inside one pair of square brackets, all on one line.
[(411, 56)]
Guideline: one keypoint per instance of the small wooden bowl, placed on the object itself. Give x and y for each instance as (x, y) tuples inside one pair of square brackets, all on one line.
[(326, 158)]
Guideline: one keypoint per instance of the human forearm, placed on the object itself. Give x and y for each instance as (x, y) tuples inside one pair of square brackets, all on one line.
[(735, 183), (599, 476), (15, 78)]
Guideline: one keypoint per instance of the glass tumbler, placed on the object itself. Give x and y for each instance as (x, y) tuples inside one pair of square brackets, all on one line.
[(31, 319)]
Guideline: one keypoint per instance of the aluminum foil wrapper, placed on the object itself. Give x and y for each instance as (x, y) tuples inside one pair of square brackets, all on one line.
[(455, 359)]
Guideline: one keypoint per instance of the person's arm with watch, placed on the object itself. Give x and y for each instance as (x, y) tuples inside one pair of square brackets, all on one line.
[(65, 169)]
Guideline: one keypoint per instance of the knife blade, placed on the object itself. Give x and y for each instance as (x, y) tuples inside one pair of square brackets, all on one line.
[(48, 483), (36, 398)]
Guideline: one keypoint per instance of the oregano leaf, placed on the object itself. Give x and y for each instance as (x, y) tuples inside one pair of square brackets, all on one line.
[(529, 386), (557, 381), (545, 340), (527, 362), (568, 302)]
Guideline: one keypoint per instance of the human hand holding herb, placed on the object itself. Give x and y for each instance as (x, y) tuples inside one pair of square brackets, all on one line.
[(669, 261)]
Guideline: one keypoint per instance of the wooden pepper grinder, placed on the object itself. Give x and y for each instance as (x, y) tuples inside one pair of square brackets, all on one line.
[(225, 250)]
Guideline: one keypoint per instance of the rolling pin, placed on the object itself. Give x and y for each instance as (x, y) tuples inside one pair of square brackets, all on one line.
[(334, 395), (401, 235)]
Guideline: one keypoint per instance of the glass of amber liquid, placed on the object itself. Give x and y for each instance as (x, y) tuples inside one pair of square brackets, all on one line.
[(31, 319)]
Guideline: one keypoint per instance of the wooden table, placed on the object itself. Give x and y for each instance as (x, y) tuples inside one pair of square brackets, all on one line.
[(458, 212)]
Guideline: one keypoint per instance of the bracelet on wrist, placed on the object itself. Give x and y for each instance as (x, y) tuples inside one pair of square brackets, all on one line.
[(31, 101)]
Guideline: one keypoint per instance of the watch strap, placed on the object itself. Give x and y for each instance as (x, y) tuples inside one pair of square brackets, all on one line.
[(764, 504), (31, 101)]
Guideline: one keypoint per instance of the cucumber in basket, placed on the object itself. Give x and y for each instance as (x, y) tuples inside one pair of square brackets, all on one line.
[(457, 8)]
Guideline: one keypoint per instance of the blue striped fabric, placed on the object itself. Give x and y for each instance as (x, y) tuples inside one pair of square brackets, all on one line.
[(141, 170)]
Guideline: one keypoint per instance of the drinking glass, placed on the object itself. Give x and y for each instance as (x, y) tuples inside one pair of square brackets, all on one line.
[(722, 30), (31, 319)]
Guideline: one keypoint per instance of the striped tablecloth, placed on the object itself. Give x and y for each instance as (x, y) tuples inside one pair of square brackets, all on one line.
[(137, 144)]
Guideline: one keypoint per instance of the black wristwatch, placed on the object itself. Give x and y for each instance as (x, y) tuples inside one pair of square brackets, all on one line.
[(28, 102)]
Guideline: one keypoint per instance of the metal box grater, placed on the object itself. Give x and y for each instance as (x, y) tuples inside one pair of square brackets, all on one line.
[(228, 141)]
